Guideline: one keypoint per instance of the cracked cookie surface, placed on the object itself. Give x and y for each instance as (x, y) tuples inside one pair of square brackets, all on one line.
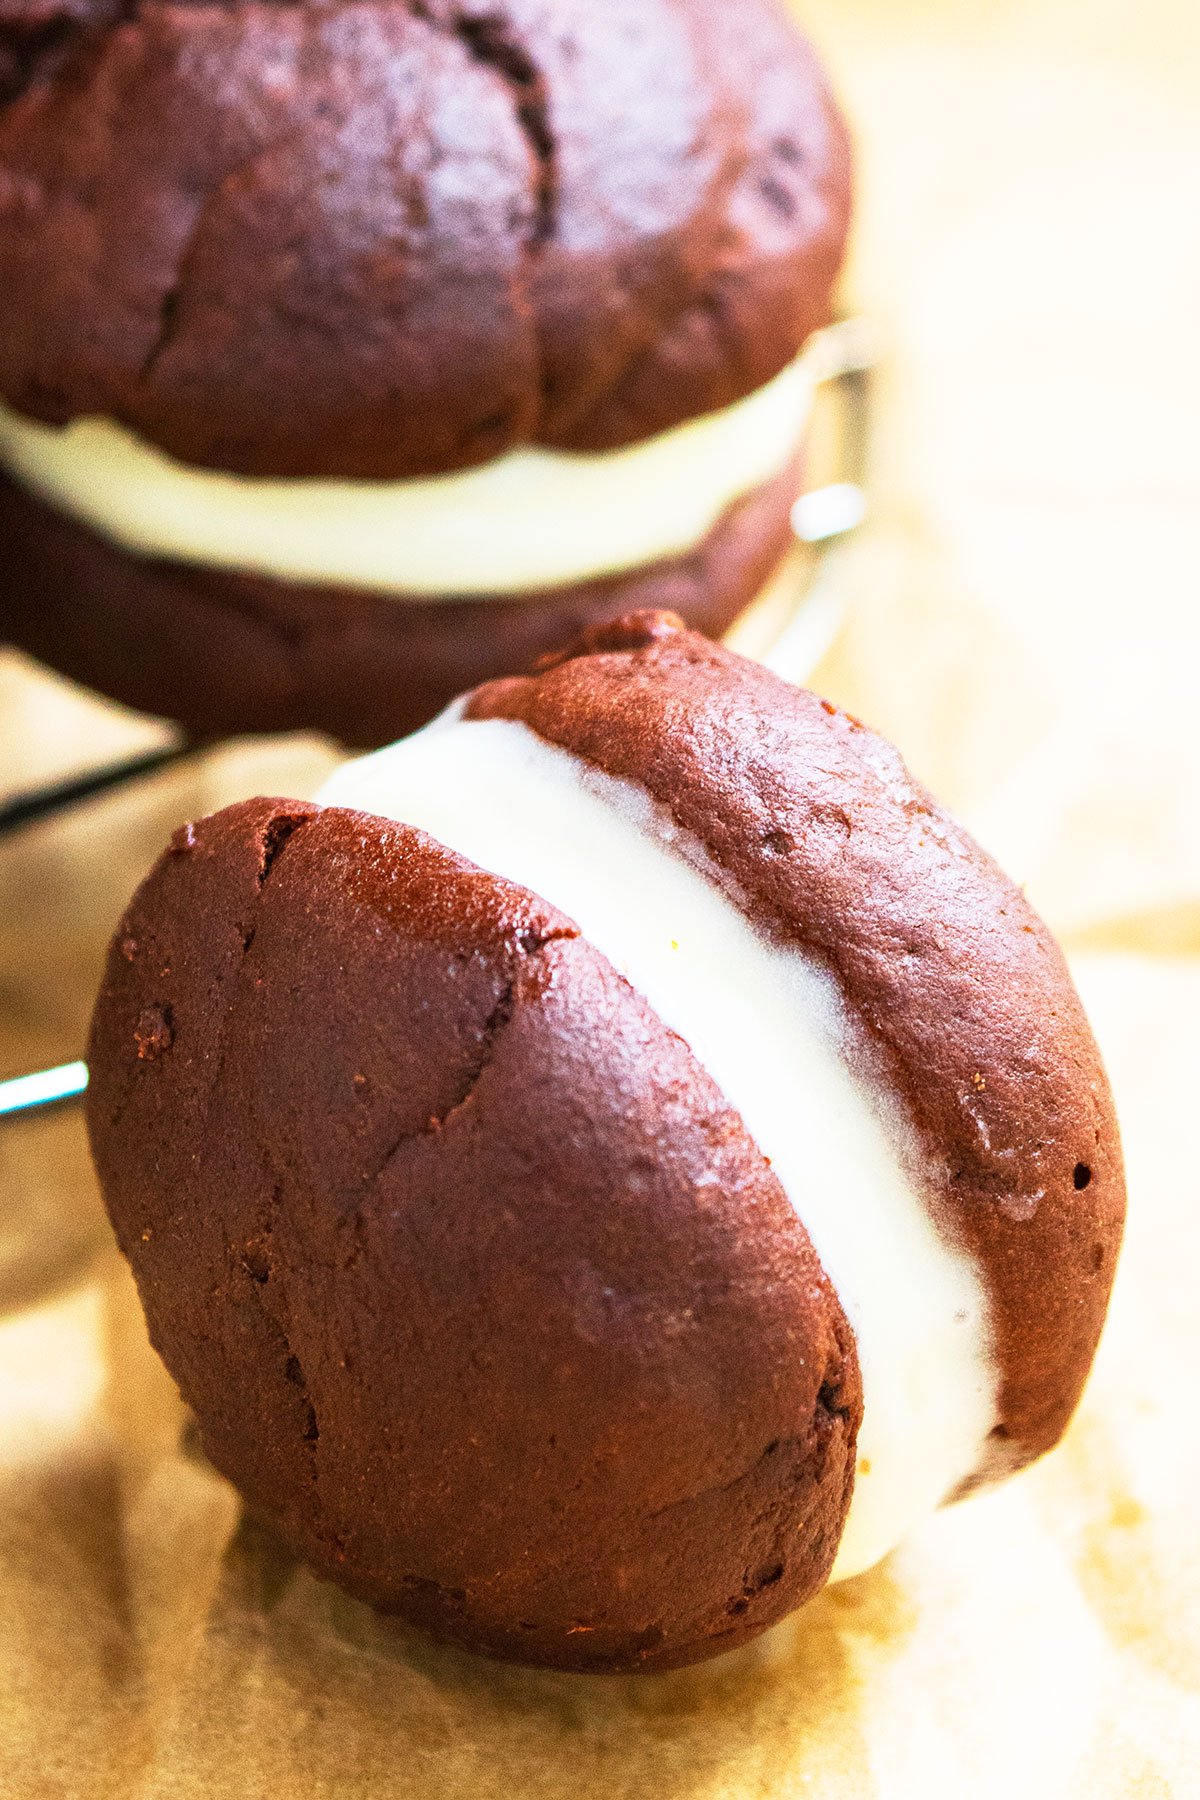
[(364, 239), (479, 1288)]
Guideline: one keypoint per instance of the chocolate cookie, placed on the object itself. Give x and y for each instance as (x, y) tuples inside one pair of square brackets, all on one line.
[(371, 243), (527, 1327), (380, 240), (586, 1228), (961, 999), (225, 653)]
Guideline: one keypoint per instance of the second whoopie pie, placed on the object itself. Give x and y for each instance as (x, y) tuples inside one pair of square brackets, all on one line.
[(621, 1159), (352, 352)]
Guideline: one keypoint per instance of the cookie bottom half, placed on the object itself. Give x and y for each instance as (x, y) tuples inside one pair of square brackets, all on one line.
[(225, 653)]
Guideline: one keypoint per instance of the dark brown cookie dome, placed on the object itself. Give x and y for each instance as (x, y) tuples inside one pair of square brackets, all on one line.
[(373, 239), (478, 1287), (963, 1001)]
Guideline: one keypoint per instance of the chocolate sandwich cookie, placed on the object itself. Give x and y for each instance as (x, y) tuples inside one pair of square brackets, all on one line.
[(619, 1161), (351, 351)]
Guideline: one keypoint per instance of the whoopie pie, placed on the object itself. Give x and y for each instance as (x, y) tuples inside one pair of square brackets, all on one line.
[(353, 352), (615, 1163)]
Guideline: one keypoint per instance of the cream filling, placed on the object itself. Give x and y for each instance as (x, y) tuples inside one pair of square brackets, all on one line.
[(770, 1029), (532, 519)]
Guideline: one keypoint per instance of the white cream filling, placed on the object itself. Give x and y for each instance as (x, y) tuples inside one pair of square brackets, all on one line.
[(531, 519), (770, 1029)]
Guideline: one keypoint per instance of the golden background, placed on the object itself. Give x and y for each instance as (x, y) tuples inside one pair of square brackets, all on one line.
[(1025, 621)]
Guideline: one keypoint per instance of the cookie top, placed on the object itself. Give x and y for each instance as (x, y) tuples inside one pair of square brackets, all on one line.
[(959, 998), (368, 239), (478, 1286)]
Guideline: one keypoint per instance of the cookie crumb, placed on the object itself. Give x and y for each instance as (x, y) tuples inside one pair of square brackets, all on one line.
[(154, 1033)]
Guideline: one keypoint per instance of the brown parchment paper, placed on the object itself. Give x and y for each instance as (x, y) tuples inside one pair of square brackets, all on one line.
[(1023, 620)]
